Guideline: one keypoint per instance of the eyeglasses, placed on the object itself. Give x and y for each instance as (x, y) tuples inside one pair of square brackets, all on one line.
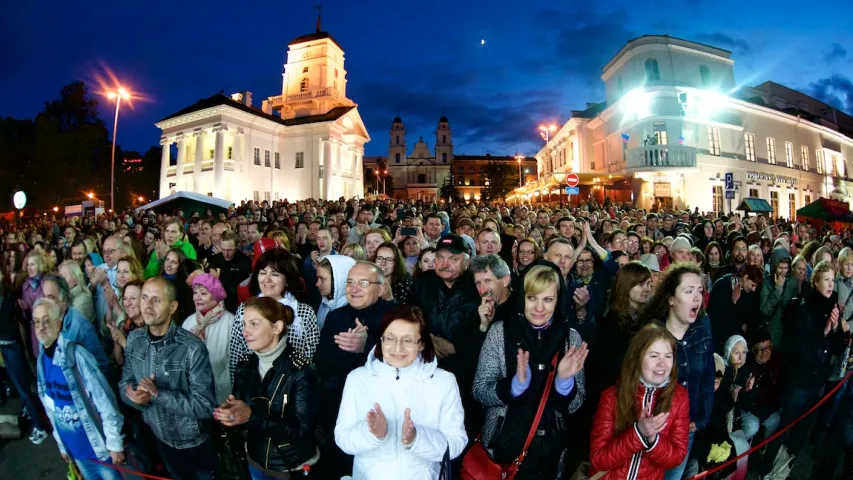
[(633, 242), (526, 252), (110, 251), (384, 260), (392, 341), (740, 249), (763, 349), (360, 283)]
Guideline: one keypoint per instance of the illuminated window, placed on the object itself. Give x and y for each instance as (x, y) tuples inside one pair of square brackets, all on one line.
[(300, 159), (774, 203), (789, 154), (792, 205), (277, 160), (256, 196), (717, 193), (808, 199), (771, 151), (266, 158), (804, 156), (257, 156), (818, 159), (660, 133), (303, 85), (210, 154), (714, 140), (749, 146), (229, 153), (753, 193), (652, 72)]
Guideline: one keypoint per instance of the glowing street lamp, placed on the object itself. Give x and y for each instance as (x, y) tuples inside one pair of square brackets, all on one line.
[(91, 195), (141, 199), (117, 95)]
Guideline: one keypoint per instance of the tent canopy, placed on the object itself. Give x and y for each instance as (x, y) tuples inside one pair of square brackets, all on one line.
[(189, 202), (755, 205), (827, 210)]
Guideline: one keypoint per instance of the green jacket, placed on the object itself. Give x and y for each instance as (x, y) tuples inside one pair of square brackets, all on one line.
[(155, 264)]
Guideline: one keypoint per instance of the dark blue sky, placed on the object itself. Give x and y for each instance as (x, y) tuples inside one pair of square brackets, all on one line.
[(416, 59)]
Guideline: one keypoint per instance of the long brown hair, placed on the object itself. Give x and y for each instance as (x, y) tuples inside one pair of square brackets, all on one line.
[(657, 308), (627, 408), (629, 276)]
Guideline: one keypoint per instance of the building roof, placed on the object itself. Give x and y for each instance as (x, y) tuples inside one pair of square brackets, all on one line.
[(488, 156), (220, 99), (591, 111), (318, 35), (443, 119)]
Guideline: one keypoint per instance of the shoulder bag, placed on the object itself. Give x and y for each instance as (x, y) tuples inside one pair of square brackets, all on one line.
[(478, 466)]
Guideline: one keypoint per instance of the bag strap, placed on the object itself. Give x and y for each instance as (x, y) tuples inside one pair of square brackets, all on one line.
[(539, 411), (71, 360)]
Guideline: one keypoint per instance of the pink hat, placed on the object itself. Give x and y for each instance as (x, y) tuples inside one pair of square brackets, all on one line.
[(212, 284)]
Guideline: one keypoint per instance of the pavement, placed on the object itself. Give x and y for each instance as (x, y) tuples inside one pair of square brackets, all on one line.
[(21, 460)]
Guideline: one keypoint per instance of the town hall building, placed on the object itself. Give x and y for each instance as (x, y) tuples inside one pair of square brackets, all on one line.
[(307, 142)]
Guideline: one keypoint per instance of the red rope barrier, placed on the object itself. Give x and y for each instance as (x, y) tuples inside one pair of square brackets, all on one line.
[(126, 470), (777, 434)]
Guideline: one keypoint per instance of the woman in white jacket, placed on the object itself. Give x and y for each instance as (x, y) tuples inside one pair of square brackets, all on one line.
[(400, 413)]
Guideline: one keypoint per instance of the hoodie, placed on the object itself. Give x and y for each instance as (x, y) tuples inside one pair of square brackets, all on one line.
[(340, 269)]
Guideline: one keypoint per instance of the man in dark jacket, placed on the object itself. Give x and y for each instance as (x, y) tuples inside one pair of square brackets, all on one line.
[(734, 304), (232, 266), (448, 299), (347, 338), (762, 402), (738, 251)]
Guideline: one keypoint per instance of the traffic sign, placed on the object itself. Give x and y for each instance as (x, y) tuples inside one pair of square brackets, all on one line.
[(572, 190), (572, 180), (730, 180), (730, 194)]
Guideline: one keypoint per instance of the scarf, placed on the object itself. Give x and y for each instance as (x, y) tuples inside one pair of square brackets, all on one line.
[(714, 264), (266, 359), (204, 320)]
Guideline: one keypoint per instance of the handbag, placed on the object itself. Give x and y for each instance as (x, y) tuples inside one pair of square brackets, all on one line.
[(478, 466)]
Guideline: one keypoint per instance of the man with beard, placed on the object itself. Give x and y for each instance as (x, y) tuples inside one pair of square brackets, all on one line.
[(738, 251)]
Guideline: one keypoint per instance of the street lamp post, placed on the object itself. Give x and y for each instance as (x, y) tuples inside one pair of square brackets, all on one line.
[(118, 95), (519, 157)]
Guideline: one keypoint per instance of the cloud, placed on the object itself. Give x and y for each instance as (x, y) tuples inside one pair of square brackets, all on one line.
[(835, 90), (721, 40), (835, 52)]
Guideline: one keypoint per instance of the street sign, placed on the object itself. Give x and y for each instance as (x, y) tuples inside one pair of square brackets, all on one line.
[(730, 194), (20, 200), (730, 178), (572, 180), (572, 190)]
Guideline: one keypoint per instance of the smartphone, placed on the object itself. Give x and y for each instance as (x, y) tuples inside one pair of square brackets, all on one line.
[(408, 231)]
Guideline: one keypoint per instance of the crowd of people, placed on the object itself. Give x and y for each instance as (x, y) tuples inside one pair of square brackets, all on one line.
[(392, 339)]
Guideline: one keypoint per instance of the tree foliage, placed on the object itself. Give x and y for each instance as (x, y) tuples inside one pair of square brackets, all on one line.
[(448, 190), (500, 178)]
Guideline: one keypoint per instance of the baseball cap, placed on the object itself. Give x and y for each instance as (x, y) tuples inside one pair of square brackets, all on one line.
[(452, 243)]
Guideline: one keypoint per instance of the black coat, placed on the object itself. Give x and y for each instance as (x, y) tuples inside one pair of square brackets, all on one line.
[(8, 325), (231, 273), (726, 317), (447, 310), (284, 413)]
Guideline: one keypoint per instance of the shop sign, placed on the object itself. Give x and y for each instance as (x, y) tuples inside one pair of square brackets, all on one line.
[(772, 178), (663, 189)]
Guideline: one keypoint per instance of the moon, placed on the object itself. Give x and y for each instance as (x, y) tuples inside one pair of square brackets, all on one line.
[(482, 42)]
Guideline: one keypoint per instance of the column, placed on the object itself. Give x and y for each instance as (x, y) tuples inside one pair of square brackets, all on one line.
[(199, 154), (327, 170), (219, 161), (235, 180), (164, 167), (179, 168)]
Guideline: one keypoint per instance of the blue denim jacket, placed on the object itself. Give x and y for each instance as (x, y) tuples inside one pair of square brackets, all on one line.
[(78, 329), (696, 370), (184, 379), (99, 392)]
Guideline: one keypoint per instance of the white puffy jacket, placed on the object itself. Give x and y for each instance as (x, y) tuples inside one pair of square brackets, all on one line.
[(436, 411)]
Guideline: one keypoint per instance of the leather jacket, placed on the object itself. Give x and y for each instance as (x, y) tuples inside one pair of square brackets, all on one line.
[(284, 414), (183, 376)]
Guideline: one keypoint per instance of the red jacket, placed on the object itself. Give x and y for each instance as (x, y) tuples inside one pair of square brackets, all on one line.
[(627, 456)]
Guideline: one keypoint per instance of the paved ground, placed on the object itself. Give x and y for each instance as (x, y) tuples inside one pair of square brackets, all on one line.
[(21, 460)]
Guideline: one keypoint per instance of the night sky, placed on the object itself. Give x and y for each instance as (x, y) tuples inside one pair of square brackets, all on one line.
[(415, 59)]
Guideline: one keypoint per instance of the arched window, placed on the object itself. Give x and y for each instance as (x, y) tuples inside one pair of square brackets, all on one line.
[(397, 158), (444, 139), (705, 75), (303, 85), (444, 157), (397, 140), (652, 72), (421, 178)]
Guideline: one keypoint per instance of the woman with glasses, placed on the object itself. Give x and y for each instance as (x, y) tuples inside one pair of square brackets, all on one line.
[(527, 252), (276, 275), (391, 262), (400, 413)]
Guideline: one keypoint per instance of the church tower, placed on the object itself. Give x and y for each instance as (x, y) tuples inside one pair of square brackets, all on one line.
[(314, 79), (443, 142), (397, 147)]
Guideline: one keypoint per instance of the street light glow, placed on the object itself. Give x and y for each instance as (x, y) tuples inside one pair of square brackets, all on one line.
[(636, 102), (91, 195), (55, 209)]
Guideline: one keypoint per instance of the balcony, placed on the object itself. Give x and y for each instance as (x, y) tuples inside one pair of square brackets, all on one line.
[(279, 100), (650, 158)]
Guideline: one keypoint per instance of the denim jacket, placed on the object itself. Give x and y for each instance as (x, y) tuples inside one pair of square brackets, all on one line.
[(696, 370), (97, 389), (77, 328), (184, 380)]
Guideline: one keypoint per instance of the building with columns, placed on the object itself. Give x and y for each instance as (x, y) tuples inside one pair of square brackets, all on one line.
[(307, 142), (675, 123), (421, 174)]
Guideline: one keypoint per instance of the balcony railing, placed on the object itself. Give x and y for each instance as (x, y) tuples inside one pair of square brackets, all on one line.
[(656, 157), (279, 100)]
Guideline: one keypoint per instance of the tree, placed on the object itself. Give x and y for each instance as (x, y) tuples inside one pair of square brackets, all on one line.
[(448, 191), (499, 178)]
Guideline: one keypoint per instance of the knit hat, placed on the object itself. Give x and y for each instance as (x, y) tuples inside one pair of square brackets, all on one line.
[(212, 284), (679, 243), (730, 345), (650, 260)]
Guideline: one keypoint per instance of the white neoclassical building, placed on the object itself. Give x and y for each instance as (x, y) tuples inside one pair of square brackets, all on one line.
[(675, 123), (307, 142)]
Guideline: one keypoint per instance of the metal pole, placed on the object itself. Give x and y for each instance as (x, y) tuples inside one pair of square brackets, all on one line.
[(113, 161), (519, 174)]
